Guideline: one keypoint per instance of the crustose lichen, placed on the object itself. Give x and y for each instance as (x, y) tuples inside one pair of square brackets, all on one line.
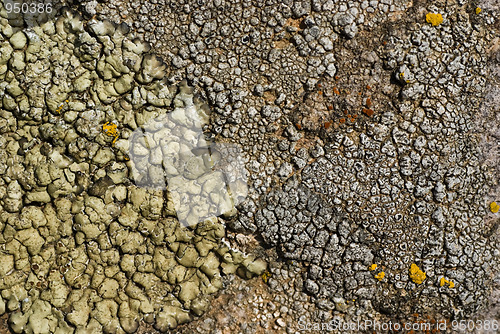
[(416, 275)]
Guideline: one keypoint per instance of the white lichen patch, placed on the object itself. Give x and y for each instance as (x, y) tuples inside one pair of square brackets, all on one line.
[(171, 152)]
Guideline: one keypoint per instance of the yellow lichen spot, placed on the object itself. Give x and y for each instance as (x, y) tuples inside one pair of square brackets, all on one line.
[(478, 10), (434, 18), (416, 275), (110, 129), (494, 207), (265, 276), (380, 276), (444, 281), (373, 267)]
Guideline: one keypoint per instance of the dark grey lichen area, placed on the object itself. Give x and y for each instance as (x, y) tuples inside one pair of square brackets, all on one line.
[(370, 138)]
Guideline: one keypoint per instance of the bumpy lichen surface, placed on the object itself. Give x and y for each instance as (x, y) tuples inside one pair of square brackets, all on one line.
[(83, 249), (406, 182)]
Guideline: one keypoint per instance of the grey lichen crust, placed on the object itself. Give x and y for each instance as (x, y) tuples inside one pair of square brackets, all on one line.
[(83, 249)]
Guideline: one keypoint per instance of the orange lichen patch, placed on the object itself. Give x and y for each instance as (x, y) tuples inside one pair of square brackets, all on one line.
[(336, 91), (368, 87), (354, 116), (318, 85), (342, 120), (384, 42), (345, 112), (337, 77), (368, 102), (269, 96), (281, 44), (298, 126), (328, 124), (434, 18), (330, 107), (320, 92), (372, 267), (110, 129), (294, 22), (368, 112), (352, 120)]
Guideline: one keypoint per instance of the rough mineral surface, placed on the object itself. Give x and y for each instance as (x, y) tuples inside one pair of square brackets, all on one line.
[(369, 131)]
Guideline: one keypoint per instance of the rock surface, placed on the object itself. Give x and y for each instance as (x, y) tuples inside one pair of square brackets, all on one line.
[(368, 132)]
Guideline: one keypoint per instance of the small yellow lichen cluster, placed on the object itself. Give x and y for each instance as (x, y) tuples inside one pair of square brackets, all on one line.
[(444, 281), (380, 276), (478, 10), (416, 275), (110, 129), (434, 19), (494, 207), (266, 275), (58, 110), (402, 77)]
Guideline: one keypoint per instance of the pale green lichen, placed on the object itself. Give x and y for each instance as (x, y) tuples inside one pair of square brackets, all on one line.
[(100, 254)]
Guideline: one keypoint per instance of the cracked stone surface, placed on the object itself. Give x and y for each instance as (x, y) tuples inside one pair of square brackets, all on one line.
[(368, 137)]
